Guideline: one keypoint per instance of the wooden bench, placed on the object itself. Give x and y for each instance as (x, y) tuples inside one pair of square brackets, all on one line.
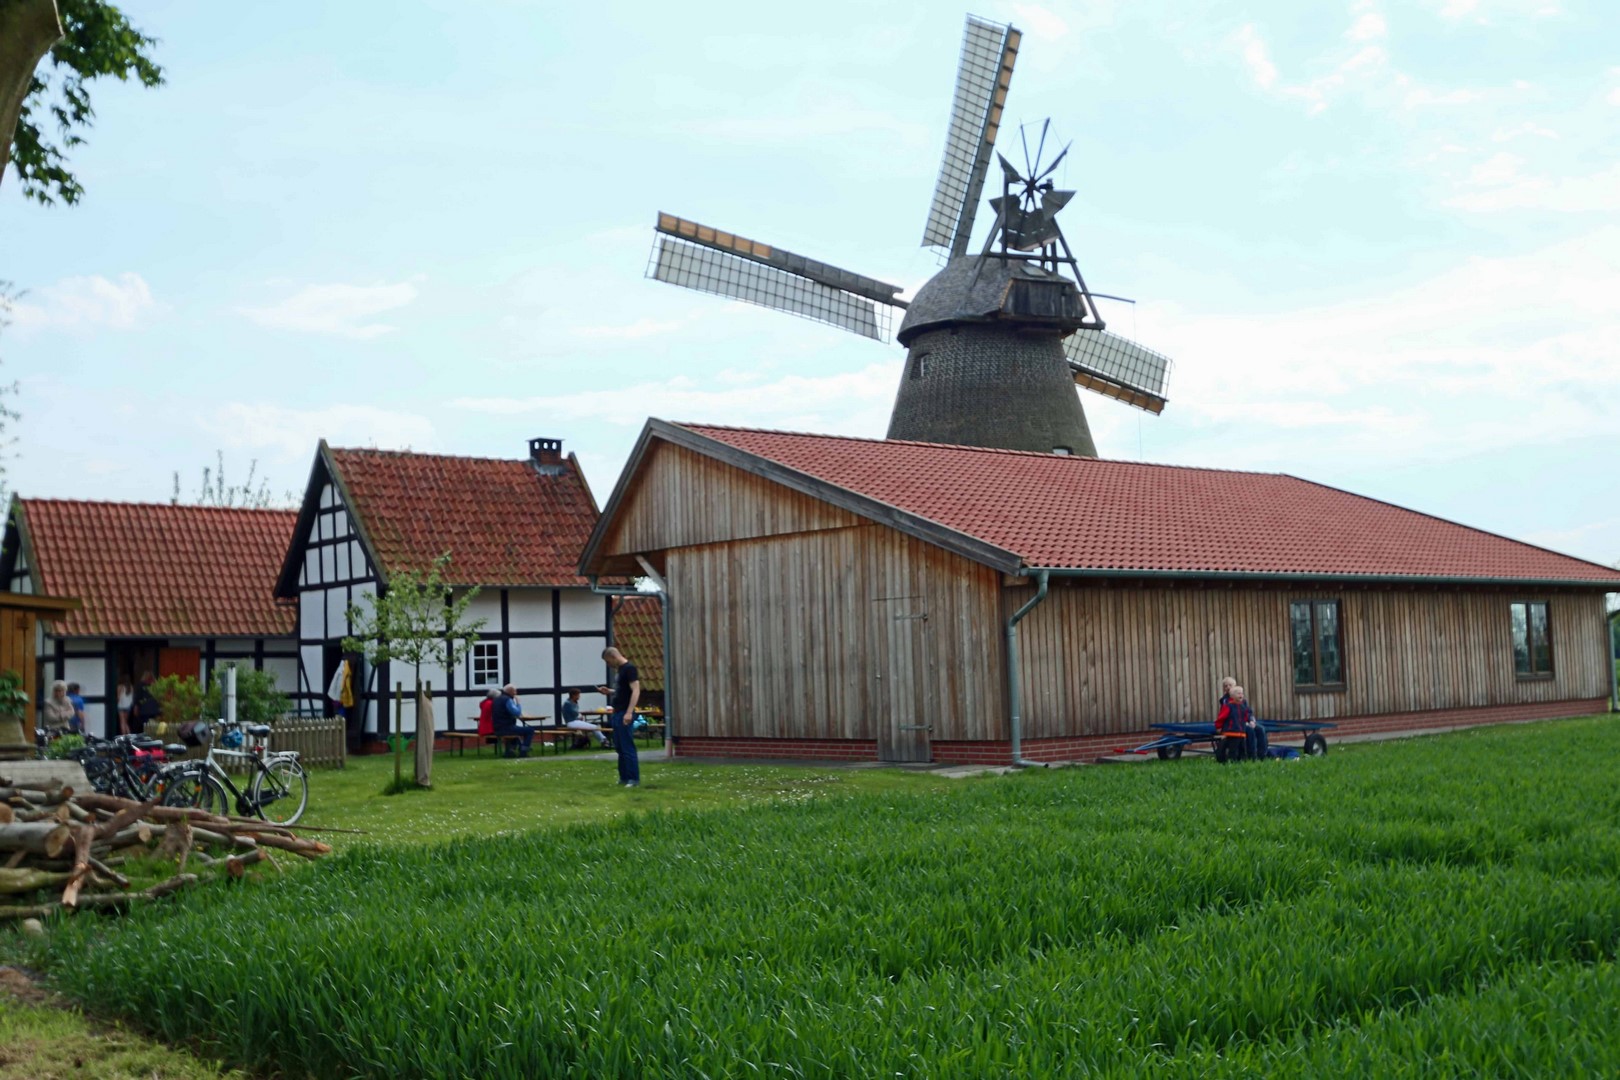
[(460, 739)]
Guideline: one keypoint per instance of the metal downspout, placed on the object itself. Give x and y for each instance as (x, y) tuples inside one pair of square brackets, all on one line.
[(1015, 681), (1608, 657)]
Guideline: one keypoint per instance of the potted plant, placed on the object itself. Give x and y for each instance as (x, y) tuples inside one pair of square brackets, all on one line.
[(15, 740)]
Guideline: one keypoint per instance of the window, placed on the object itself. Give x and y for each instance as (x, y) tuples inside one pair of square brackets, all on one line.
[(1532, 640), (486, 664), (919, 366), (1318, 643)]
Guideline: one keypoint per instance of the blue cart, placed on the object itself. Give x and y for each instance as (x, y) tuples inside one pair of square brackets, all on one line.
[(1179, 737)]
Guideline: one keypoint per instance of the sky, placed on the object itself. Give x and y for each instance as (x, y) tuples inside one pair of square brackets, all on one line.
[(1379, 239)]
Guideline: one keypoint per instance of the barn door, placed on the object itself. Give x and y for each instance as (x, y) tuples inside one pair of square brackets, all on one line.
[(899, 669)]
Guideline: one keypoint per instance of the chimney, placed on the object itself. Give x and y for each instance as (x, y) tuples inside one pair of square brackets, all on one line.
[(546, 456)]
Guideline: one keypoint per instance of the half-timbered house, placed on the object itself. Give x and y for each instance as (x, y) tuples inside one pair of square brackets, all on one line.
[(171, 590), (851, 598), (512, 527)]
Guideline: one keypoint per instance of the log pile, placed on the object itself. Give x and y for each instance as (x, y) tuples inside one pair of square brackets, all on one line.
[(68, 845)]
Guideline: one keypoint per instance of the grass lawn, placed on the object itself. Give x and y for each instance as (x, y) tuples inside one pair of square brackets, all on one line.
[(48, 1042), (1447, 906), (486, 795)]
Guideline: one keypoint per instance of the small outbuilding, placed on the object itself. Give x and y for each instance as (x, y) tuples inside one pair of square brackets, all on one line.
[(833, 597), (165, 589)]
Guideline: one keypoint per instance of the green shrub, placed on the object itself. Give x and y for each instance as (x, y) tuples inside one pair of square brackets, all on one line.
[(60, 747), (258, 701), (180, 697)]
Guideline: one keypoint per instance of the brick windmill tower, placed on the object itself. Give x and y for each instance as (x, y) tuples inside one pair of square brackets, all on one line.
[(996, 341)]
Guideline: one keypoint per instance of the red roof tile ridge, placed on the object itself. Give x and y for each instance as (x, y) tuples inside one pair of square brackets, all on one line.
[(1117, 462), (423, 454), (43, 500)]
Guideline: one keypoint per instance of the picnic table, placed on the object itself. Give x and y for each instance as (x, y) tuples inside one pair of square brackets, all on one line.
[(460, 739)]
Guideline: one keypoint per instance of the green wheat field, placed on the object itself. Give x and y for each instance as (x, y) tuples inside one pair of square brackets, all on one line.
[(1447, 906)]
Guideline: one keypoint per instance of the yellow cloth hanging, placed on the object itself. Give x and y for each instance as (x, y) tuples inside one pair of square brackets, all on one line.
[(347, 700)]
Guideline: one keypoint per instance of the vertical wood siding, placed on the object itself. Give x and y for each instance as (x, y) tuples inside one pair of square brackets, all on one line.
[(683, 498), (1104, 660), (836, 634)]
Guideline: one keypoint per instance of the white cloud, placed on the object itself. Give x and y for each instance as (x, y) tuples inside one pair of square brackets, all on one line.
[(1489, 11), (292, 433), (851, 403), (85, 303), (1042, 22), (633, 331), (1613, 97), (1369, 26), (1256, 57), (338, 310), (1498, 352), (1508, 134), (1498, 184)]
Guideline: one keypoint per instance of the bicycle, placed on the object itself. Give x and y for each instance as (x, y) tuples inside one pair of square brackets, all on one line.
[(278, 792), (129, 766)]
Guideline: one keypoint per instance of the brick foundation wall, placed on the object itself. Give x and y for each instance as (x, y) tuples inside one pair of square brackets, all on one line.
[(1088, 747)]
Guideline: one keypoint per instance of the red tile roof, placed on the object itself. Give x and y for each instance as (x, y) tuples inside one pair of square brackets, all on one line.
[(503, 522), (1085, 513), (638, 631), (153, 570)]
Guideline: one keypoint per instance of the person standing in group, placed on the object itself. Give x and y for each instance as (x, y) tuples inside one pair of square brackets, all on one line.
[(126, 705), (79, 725), (626, 692), (508, 715), (146, 706), (56, 717)]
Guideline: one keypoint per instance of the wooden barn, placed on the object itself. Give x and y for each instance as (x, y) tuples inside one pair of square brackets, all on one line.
[(833, 597), (172, 590), (513, 527)]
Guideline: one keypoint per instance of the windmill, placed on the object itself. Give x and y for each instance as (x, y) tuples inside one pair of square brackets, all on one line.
[(996, 341)]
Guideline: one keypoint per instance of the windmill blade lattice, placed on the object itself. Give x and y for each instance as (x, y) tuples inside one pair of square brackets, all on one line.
[(1119, 368), (709, 260), (983, 75)]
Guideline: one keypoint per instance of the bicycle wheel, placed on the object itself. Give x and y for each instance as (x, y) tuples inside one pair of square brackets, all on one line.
[(194, 787), (280, 791)]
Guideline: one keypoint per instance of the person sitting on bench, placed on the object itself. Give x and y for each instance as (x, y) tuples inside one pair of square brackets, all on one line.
[(508, 720), (571, 719)]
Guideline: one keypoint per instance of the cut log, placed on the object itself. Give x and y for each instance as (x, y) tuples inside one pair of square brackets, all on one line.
[(36, 837), (237, 865), (123, 818), (7, 816), (83, 837), (27, 879), (102, 901)]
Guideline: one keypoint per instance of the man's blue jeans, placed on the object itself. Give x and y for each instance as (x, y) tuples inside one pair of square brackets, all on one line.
[(624, 742), (523, 731)]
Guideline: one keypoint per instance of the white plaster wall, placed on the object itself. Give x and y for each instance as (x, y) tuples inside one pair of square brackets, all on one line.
[(583, 610), (91, 675), (311, 606), (531, 662), (337, 613), (311, 655), (328, 496), (285, 669), (341, 553), (582, 661), (487, 606), (529, 609)]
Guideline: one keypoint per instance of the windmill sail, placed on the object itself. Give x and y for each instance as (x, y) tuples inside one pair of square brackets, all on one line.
[(983, 74), (1118, 368), (709, 260)]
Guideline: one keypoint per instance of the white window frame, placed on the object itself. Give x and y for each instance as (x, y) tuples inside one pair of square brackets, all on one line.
[(491, 652)]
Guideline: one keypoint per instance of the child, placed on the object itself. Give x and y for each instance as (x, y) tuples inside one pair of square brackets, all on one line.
[(1234, 725)]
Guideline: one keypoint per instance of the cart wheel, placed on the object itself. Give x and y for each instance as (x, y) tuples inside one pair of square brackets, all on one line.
[(1315, 745), (1169, 753)]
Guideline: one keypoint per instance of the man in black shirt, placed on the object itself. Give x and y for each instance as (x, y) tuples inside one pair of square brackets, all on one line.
[(626, 693)]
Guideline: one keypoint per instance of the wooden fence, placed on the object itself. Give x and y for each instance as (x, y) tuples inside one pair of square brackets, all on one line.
[(321, 741)]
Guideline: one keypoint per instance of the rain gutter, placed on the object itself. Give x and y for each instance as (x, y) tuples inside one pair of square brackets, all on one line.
[(1015, 680), (1313, 578)]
